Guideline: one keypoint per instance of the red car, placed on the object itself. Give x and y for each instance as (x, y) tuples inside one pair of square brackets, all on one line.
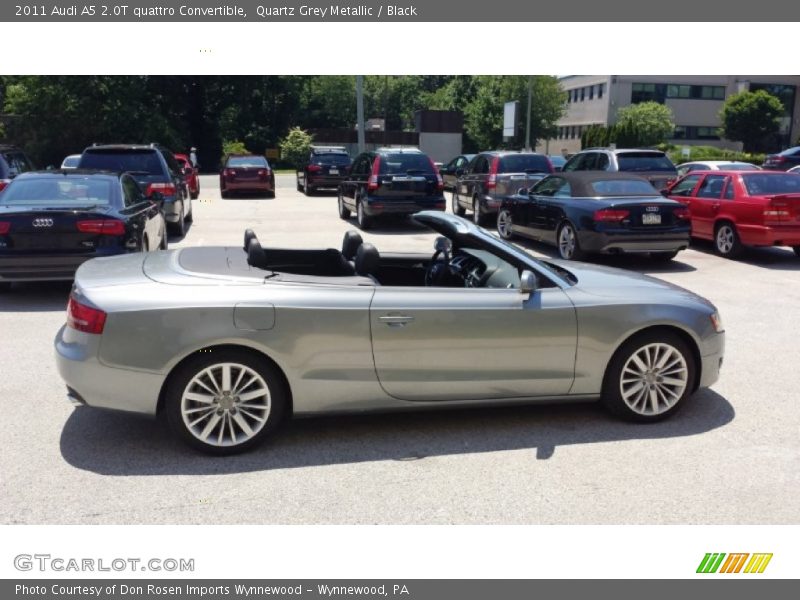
[(742, 208), (191, 175), (246, 173)]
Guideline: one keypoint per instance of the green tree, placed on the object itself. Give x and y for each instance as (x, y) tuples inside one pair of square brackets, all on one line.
[(644, 124), (234, 147), (295, 147), (752, 118)]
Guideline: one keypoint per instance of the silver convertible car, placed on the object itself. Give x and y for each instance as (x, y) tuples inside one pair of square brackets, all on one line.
[(226, 342)]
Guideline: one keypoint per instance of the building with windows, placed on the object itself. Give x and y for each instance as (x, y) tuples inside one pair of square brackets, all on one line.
[(695, 101)]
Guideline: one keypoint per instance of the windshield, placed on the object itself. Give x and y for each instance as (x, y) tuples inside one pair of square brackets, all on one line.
[(56, 191), (644, 161), (248, 161), (396, 164), (623, 187), (71, 162), (738, 167), (771, 183), (144, 161), (524, 163)]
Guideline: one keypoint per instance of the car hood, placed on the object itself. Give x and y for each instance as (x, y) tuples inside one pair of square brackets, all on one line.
[(626, 286)]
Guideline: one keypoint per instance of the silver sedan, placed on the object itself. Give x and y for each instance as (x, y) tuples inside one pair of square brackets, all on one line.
[(225, 342)]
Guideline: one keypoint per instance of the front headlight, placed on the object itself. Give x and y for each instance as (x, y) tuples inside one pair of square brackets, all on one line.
[(716, 321)]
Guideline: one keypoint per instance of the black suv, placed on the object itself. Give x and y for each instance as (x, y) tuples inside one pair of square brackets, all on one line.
[(12, 163), (390, 181), (154, 168), (327, 167), (653, 165)]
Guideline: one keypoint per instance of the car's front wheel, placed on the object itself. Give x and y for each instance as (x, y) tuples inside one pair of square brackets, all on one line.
[(649, 377), (225, 401), (363, 219), (505, 224), (569, 247)]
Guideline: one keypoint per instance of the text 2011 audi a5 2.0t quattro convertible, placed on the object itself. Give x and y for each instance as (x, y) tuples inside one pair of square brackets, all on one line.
[(225, 342)]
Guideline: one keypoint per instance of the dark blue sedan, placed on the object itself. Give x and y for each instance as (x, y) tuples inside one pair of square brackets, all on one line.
[(585, 212)]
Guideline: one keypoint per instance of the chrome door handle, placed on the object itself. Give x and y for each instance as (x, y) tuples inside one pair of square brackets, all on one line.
[(396, 320)]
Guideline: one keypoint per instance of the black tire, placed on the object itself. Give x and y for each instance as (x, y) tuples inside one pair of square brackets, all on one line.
[(726, 240), (477, 217), (344, 212), (195, 195), (505, 223), (145, 244), (796, 250), (363, 219), (612, 396), (576, 253), (307, 189), (224, 194), (164, 242), (663, 256), (298, 184), (179, 228), (183, 375), (458, 210), (190, 216)]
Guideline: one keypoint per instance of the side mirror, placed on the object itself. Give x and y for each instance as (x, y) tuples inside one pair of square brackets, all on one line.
[(527, 282)]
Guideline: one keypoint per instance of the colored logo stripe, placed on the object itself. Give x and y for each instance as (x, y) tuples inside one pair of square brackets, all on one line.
[(733, 564)]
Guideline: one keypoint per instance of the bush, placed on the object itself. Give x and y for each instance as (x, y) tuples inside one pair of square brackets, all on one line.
[(713, 153), (295, 147), (234, 147)]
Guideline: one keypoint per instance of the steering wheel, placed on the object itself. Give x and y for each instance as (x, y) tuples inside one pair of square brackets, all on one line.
[(438, 272)]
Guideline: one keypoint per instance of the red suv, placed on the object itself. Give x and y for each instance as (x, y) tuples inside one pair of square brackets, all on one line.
[(742, 208), (190, 174)]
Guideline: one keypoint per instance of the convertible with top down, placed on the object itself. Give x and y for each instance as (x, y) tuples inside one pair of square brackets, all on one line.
[(227, 341)]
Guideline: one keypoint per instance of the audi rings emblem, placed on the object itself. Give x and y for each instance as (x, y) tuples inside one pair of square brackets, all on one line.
[(43, 222)]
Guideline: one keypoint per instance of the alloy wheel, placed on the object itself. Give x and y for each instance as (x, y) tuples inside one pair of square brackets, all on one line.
[(567, 242), (654, 379), (505, 224), (726, 239), (226, 404)]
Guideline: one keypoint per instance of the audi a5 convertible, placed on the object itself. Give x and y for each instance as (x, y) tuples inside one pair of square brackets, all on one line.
[(225, 342)]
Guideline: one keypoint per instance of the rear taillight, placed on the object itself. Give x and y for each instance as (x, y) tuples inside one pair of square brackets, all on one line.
[(373, 182), (229, 173), (491, 183), (682, 214), (439, 180), (610, 215), (4, 183), (777, 159), (85, 318), (314, 168), (102, 226), (263, 173), (165, 189), (5, 227), (776, 211)]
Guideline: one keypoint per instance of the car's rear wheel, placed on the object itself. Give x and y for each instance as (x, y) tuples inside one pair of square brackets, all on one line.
[(477, 217), (307, 189), (344, 212), (726, 240), (363, 219), (569, 247), (796, 250), (505, 224), (458, 210), (663, 256), (225, 401), (179, 228), (190, 214), (299, 185), (649, 377)]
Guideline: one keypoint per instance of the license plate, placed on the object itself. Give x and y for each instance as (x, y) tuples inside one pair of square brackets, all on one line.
[(334, 171), (651, 219)]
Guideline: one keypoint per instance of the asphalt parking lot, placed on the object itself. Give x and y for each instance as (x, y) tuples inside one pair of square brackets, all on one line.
[(731, 456)]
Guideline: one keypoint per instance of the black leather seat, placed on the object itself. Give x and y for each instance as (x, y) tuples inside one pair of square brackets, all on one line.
[(368, 261), (249, 234), (256, 257), (350, 244)]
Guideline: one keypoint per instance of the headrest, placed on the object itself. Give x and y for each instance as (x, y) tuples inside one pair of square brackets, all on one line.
[(351, 243), (367, 259), (256, 257), (249, 234)]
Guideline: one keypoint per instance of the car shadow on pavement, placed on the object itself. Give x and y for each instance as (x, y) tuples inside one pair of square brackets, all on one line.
[(115, 444), (634, 262), (44, 296), (771, 257)]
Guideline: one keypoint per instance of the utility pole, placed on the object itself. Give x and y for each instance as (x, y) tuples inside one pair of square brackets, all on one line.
[(360, 112), (528, 123)]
